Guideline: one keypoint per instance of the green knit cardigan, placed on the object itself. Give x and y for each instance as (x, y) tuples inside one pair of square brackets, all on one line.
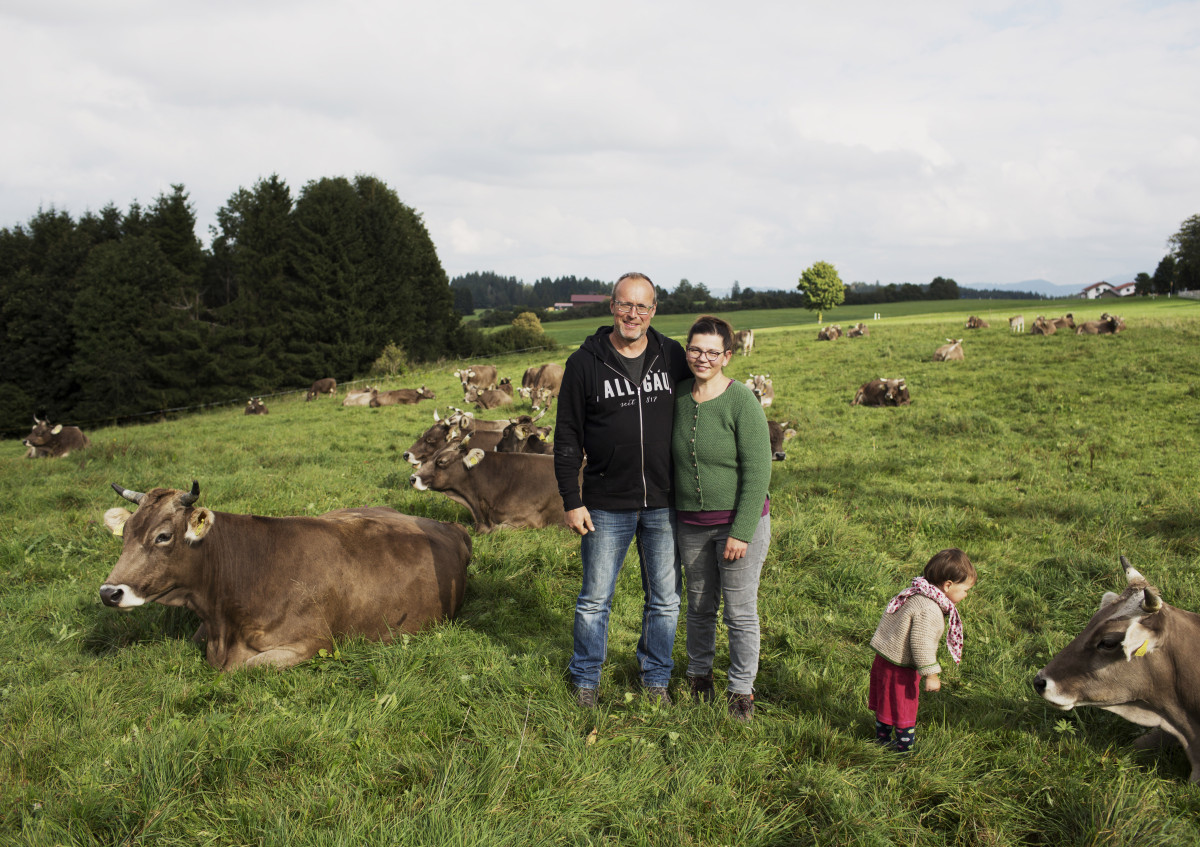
[(722, 455)]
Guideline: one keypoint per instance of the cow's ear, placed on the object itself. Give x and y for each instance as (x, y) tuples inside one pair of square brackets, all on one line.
[(789, 434), (56, 430), (200, 521), (115, 519), (1139, 640), (1108, 598), (474, 457)]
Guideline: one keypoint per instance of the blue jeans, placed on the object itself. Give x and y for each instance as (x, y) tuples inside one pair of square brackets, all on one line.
[(603, 552), (709, 579)]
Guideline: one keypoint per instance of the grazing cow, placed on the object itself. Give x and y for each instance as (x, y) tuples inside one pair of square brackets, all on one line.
[(360, 397), (951, 351), (1016, 323), (542, 398), (255, 406), (275, 591), (974, 322), (541, 378), (1135, 658), (489, 398), (321, 386), (829, 333), (762, 387), (1041, 326), (743, 340), (523, 436), (400, 397), (779, 434), (1067, 321), (500, 489), (882, 392), (859, 330), (480, 376), (53, 442), (1107, 325), (451, 430)]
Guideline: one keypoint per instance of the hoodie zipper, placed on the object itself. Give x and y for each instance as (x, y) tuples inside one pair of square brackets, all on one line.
[(641, 423)]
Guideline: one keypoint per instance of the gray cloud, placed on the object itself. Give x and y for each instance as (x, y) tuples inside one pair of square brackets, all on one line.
[(991, 142)]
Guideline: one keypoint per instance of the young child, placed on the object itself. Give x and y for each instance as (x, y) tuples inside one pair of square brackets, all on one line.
[(906, 643)]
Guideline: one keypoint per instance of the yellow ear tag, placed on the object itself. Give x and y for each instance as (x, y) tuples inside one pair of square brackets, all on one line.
[(1141, 651)]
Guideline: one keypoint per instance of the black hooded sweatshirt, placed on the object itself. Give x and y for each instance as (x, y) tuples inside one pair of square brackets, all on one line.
[(623, 429)]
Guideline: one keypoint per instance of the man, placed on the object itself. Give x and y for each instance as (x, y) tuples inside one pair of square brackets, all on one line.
[(615, 408)]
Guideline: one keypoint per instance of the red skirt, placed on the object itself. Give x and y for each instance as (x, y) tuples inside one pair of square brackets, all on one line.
[(894, 693)]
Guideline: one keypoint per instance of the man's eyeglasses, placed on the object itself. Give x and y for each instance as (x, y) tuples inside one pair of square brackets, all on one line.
[(711, 355), (624, 308)]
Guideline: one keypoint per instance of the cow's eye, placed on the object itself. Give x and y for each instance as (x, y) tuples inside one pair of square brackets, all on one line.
[(1111, 641), (162, 538)]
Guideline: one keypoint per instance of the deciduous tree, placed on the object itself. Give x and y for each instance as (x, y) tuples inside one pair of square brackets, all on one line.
[(822, 288)]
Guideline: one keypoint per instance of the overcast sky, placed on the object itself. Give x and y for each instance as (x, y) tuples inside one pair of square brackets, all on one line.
[(989, 141)]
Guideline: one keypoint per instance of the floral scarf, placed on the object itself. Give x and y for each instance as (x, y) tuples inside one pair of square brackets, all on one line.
[(954, 632)]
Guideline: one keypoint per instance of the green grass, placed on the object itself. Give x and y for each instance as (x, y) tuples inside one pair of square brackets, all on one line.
[(1043, 458)]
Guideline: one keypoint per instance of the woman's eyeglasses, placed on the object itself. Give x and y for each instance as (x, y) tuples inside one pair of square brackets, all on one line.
[(710, 355)]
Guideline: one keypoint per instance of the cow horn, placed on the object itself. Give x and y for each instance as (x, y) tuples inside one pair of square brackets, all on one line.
[(1131, 573), (539, 417), (1151, 602), (192, 496), (131, 496), (436, 419)]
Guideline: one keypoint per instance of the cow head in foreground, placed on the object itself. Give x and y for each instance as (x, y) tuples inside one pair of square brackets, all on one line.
[(275, 591), (1136, 658)]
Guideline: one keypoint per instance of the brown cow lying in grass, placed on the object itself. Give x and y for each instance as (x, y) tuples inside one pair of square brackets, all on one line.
[(951, 351), (53, 442), (1107, 325), (882, 392), (275, 591)]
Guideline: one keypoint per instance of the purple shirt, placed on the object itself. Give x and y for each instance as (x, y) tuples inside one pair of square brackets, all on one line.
[(716, 518)]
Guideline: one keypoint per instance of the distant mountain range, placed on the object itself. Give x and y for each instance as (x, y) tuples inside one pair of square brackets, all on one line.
[(1048, 288)]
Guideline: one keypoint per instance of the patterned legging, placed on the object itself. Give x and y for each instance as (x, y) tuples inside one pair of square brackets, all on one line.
[(904, 736)]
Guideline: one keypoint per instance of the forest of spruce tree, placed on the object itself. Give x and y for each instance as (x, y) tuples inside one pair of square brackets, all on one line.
[(116, 313)]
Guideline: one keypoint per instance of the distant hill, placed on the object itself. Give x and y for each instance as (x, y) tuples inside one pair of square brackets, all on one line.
[(1038, 286)]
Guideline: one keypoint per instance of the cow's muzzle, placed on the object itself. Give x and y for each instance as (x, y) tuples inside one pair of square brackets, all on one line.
[(111, 595), (120, 596)]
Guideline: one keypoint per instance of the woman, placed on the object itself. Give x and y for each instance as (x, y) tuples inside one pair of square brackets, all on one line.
[(722, 455)]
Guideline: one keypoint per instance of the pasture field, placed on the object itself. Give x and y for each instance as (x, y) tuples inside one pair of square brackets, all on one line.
[(1043, 458)]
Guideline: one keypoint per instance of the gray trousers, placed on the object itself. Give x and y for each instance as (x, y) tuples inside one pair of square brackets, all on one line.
[(709, 580)]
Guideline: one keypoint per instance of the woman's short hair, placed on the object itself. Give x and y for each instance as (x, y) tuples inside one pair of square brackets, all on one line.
[(710, 325), (950, 565)]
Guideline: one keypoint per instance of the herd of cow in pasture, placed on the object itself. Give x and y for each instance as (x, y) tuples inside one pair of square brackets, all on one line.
[(378, 573), (894, 392)]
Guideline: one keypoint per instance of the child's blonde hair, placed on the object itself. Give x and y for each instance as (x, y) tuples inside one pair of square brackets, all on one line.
[(949, 565)]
